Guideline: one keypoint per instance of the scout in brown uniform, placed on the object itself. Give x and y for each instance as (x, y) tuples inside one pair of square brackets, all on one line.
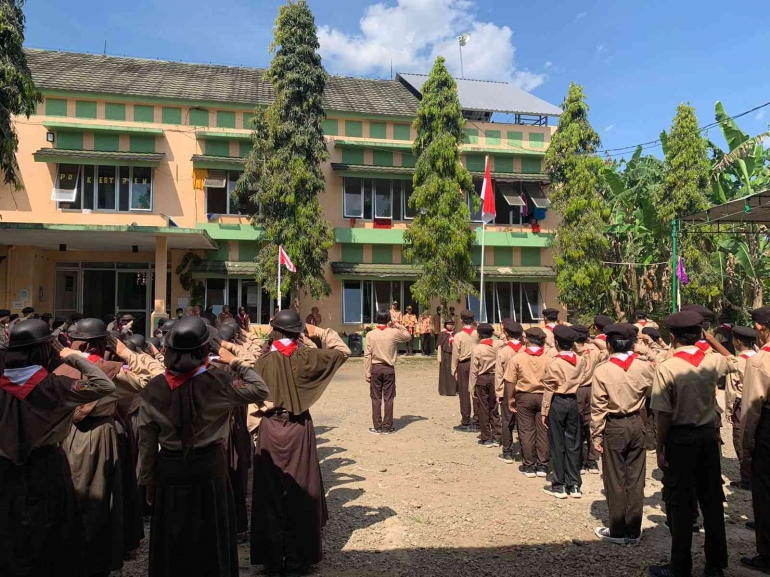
[(289, 508), (755, 437), (551, 317), (620, 387), (559, 413), (186, 412), (410, 324), (425, 333), (600, 339), (744, 341), (523, 383), (724, 332), (708, 316), (481, 384), (395, 312), (684, 400), (41, 527), (462, 346), (437, 326), (642, 321), (380, 358), (513, 346), (588, 454), (447, 383)]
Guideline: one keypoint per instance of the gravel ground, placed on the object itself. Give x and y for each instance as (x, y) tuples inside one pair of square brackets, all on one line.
[(427, 501)]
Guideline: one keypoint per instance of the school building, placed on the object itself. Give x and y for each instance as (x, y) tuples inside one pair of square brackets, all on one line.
[(128, 166)]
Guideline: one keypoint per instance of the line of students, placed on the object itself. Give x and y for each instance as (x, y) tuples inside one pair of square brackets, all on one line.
[(81, 422)]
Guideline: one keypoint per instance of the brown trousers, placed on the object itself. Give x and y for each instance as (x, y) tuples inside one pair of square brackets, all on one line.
[(760, 483), (463, 378), (588, 453), (533, 435), (745, 463), (489, 418), (624, 463), (382, 388)]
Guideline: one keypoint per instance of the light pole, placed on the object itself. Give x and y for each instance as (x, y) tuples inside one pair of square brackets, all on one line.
[(463, 39)]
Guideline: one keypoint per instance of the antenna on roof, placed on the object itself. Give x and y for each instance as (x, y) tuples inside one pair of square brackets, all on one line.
[(105, 47), (463, 39), (391, 68)]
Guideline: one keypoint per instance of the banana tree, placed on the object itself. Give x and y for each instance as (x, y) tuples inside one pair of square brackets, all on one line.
[(752, 257)]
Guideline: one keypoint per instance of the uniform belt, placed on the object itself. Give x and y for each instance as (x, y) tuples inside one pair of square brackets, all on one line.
[(617, 417), (465, 361), (565, 396)]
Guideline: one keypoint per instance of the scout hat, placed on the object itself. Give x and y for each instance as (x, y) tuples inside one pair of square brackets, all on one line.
[(651, 332), (684, 319), (535, 333), (761, 315), (581, 330), (288, 321), (565, 334), (706, 313), (136, 343), (4, 313), (466, 314), (27, 310), (155, 342), (26, 334), (550, 313), (621, 330), (745, 333), (127, 318), (485, 330), (512, 327), (190, 333), (602, 321), (227, 332), (640, 313), (167, 326), (88, 329)]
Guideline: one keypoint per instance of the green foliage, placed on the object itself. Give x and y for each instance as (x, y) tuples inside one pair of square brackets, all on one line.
[(18, 94), (577, 189), (440, 238), (283, 171)]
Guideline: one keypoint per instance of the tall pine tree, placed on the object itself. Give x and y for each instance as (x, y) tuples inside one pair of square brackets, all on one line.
[(576, 195), (18, 94), (283, 171), (440, 239)]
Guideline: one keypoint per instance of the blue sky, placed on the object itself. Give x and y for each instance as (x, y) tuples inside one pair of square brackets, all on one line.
[(637, 60)]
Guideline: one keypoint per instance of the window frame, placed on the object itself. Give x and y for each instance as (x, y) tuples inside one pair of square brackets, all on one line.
[(360, 306), (375, 194), (516, 306), (95, 193), (345, 213), (76, 189), (228, 194)]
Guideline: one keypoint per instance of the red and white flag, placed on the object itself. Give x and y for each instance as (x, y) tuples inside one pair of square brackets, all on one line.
[(283, 259), (487, 197)]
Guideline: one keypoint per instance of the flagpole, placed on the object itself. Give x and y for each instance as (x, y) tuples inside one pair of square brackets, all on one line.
[(279, 278), (482, 311)]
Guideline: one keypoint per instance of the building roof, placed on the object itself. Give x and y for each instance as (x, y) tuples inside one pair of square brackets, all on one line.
[(72, 71), (488, 96), (754, 208), (408, 271)]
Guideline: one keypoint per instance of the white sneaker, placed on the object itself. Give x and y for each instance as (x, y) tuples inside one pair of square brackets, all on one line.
[(604, 534), (575, 493)]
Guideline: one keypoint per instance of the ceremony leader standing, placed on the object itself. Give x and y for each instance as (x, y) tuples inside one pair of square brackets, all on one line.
[(288, 507), (447, 383), (462, 345)]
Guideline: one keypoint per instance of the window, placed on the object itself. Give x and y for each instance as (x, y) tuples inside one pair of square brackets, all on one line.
[(215, 293), (352, 302), (220, 186), (66, 187), (409, 212), (353, 203), (362, 299), (383, 199), (510, 203), (110, 188), (523, 302), (475, 212), (368, 198)]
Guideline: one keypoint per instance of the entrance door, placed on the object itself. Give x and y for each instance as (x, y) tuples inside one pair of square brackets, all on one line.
[(67, 292), (132, 298), (98, 293)]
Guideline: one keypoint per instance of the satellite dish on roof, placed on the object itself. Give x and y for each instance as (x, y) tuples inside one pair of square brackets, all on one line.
[(464, 39)]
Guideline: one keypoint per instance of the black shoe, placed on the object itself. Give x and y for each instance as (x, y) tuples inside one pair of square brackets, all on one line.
[(558, 492), (474, 428), (529, 472), (374, 431), (496, 443), (593, 468), (506, 458), (574, 492), (387, 431), (713, 572), (661, 571), (486, 444), (463, 428), (759, 563), (541, 471)]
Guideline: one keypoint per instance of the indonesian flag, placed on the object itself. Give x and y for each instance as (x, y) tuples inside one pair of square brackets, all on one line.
[(487, 197), (283, 259)]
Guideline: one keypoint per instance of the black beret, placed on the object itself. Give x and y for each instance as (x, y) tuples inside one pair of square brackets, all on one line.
[(622, 330), (580, 330), (706, 313), (27, 310), (485, 329), (466, 314), (761, 315), (745, 332), (512, 327), (550, 311), (651, 332), (4, 313), (684, 319), (602, 321), (640, 313), (449, 322), (565, 333), (535, 333)]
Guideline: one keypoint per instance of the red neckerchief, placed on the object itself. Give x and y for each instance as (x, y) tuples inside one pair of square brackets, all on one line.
[(516, 346), (694, 359), (601, 337), (537, 353), (642, 322), (727, 326), (487, 342), (92, 357), (451, 335), (571, 359), (551, 327), (624, 364), (382, 327), (468, 330), (176, 380), (21, 382), (285, 348), (703, 346), (748, 354), (766, 348)]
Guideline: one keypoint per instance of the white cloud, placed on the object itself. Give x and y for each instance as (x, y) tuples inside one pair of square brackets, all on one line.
[(760, 115), (548, 65), (609, 128), (580, 16), (412, 33), (600, 49)]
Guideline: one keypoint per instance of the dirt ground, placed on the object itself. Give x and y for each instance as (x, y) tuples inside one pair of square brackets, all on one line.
[(428, 501)]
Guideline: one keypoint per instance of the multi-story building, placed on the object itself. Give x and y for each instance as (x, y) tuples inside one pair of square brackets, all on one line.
[(128, 165)]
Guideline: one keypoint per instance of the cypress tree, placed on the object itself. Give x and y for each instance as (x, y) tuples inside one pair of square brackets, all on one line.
[(440, 239), (283, 171)]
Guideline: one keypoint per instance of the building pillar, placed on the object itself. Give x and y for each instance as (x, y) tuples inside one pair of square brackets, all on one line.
[(161, 266)]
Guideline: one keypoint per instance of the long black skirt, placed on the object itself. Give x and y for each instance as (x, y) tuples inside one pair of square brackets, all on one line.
[(288, 503), (240, 448), (193, 528), (447, 383), (93, 451), (41, 529), (133, 508)]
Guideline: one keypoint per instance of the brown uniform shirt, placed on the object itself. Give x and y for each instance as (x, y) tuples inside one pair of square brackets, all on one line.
[(410, 322), (756, 397), (617, 391), (593, 358), (438, 324), (562, 378), (462, 346), (548, 329), (734, 382), (395, 316), (600, 344), (689, 392), (382, 346), (525, 372), (504, 356), (648, 324), (483, 361)]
